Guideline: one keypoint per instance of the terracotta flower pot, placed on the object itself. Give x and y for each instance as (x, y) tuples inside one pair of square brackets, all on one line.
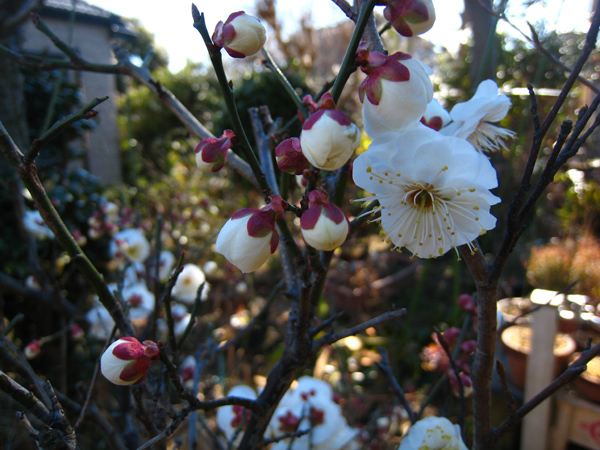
[(517, 344)]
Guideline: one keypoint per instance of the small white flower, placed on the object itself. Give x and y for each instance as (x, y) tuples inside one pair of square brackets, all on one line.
[(471, 119), (134, 274), (166, 260), (188, 282), (232, 417), (140, 300), (433, 433), (242, 35), (181, 319), (210, 268), (35, 225), (433, 190), (131, 244)]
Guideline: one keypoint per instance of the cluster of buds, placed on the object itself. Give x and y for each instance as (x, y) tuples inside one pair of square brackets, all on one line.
[(104, 221)]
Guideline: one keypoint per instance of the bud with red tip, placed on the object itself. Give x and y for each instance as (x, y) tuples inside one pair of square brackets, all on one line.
[(395, 93), (410, 17), (329, 137), (33, 349), (324, 225), (211, 153), (435, 117), (242, 35), (290, 158), (249, 237), (127, 360)]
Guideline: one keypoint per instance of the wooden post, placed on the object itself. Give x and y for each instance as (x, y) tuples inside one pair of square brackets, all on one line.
[(540, 373)]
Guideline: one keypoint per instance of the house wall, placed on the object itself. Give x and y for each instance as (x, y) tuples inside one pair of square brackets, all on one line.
[(93, 44)]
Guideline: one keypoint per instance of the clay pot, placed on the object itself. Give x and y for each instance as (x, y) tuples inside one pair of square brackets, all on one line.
[(517, 344), (588, 383)]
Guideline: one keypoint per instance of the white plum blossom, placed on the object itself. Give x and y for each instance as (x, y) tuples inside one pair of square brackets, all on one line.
[(134, 274), (395, 93), (249, 237), (188, 282), (181, 319), (232, 417), (324, 226), (34, 224), (242, 35), (471, 119), (310, 405), (140, 300), (328, 138), (433, 433), (433, 190), (166, 260), (126, 361), (131, 244)]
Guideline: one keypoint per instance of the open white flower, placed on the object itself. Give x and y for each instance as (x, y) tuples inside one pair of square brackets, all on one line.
[(232, 417), (433, 190), (131, 244), (188, 283), (140, 300), (471, 119), (35, 225), (101, 322), (433, 433)]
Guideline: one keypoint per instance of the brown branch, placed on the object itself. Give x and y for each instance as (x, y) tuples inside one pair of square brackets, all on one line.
[(385, 367)]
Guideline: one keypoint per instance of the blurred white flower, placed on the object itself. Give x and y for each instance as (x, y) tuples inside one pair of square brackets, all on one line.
[(433, 190), (232, 417), (210, 268), (188, 282), (433, 433), (166, 261), (130, 244), (181, 319), (140, 300), (471, 119), (34, 224)]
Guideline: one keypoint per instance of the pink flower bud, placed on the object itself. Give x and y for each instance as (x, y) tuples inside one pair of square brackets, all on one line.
[(211, 153), (410, 17), (468, 347), (76, 331), (127, 360), (33, 349), (466, 302), (329, 137), (290, 158), (436, 117), (324, 226), (395, 93), (249, 237), (242, 35)]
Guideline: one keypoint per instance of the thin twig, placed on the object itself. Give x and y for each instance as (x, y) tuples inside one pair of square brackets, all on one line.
[(385, 367)]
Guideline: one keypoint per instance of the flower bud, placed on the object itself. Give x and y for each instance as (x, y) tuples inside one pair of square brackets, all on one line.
[(127, 360), (410, 17), (395, 93), (329, 137), (242, 35), (324, 226), (466, 303), (435, 117), (33, 349), (211, 153), (290, 158), (249, 237)]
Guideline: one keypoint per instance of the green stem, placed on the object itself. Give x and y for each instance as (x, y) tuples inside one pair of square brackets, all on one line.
[(348, 66), (215, 57), (285, 83)]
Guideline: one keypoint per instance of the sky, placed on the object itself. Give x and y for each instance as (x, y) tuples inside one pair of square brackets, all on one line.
[(173, 30)]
